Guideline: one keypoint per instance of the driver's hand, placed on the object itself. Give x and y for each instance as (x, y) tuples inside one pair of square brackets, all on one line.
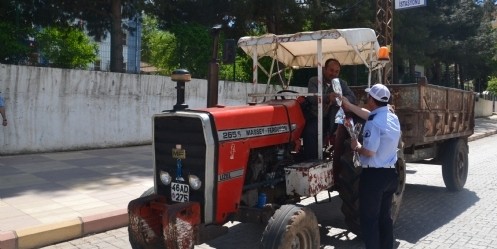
[(345, 102), (333, 97), (354, 144)]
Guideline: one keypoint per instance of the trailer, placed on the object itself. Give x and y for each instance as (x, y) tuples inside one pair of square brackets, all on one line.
[(436, 122)]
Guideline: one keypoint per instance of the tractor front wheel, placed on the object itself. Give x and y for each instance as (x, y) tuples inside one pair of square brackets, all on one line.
[(291, 227)]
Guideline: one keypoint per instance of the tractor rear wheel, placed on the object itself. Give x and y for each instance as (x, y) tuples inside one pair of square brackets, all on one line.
[(455, 164), (291, 227), (400, 165), (349, 190)]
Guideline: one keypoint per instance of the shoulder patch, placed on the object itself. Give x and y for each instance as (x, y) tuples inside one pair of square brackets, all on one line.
[(367, 133), (371, 117)]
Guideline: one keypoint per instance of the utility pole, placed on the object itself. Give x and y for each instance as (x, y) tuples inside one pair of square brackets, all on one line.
[(384, 26)]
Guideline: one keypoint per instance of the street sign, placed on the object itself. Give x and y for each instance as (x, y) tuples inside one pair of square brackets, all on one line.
[(406, 4)]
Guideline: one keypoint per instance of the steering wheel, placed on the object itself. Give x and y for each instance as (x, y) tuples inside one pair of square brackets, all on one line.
[(284, 91)]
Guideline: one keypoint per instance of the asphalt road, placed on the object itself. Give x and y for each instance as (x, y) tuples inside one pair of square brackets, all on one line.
[(431, 216)]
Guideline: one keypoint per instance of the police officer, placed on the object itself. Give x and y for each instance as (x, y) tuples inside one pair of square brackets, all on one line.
[(378, 155)]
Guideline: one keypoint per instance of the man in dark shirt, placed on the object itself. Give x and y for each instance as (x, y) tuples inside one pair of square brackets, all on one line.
[(331, 70)]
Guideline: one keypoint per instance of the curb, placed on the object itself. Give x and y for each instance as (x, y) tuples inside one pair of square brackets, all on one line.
[(43, 235), (481, 135)]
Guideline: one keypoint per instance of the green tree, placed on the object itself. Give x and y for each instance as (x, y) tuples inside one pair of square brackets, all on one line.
[(15, 43), (158, 46), (451, 38), (98, 17), (193, 48), (183, 46), (66, 47), (492, 85)]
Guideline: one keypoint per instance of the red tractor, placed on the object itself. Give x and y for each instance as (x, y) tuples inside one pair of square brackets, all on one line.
[(242, 163)]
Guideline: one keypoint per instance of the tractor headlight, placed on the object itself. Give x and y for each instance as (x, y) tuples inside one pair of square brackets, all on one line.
[(165, 178), (195, 182)]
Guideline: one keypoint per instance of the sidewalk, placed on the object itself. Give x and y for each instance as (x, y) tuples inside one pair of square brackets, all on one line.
[(53, 197)]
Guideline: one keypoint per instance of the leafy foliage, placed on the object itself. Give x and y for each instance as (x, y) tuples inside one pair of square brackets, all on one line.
[(158, 46), (67, 47), (452, 39), (240, 71), (193, 48), (183, 46), (492, 85), (99, 17), (16, 46)]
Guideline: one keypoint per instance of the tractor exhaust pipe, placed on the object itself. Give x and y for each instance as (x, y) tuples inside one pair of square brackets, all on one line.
[(180, 76), (213, 73)]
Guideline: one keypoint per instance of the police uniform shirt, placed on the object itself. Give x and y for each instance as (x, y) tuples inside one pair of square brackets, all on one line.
[(381, 135)]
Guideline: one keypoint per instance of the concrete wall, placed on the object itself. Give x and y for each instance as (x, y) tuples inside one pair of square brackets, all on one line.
[(484, 108), (50, 109)]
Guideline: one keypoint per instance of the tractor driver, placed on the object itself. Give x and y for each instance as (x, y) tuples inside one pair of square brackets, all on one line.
[(331, 70)]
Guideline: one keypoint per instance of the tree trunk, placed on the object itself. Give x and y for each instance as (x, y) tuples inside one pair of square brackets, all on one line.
[(437, 72), (116, 39), (412, 71), (446, 78), (318, 15), (457, 77)]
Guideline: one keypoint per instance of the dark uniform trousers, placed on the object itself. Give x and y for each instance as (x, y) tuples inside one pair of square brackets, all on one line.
[(376, 189)]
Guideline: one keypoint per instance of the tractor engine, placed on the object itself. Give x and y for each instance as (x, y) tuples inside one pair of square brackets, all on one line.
[(266, 175), (220, 156)]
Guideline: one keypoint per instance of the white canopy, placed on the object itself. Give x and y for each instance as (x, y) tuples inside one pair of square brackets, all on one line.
[(349, 46)]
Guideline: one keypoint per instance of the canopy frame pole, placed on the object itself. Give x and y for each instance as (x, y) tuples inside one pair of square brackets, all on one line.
[(270, 74), (255, 61), (320, 97)]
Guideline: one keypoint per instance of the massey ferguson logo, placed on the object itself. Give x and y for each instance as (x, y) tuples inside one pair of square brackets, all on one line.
[(178, 152), (252, 132)]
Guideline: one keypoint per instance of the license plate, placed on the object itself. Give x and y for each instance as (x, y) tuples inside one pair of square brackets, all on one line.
[(180, 192)]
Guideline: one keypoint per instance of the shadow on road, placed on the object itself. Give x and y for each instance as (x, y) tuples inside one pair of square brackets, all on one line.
[(427, 208), (424, 209), (93, 170)]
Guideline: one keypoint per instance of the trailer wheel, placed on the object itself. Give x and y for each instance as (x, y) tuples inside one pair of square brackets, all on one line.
[(349, 190), (455, 164), (291, 227)]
